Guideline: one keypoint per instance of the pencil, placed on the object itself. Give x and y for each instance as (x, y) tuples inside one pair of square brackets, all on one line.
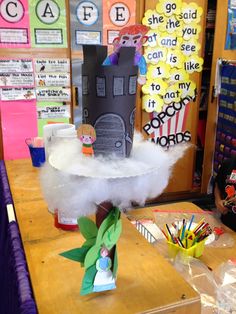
[(167, 227), (198, 225), (180, 242), (190, 223), (165, 234)]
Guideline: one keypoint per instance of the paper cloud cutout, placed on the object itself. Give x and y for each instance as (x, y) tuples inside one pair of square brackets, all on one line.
[(160, 70), (169, 7), (152, 103), (153, 19)]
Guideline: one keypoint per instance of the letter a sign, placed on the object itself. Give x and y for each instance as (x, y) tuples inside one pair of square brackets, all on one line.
[(48, 11), (48, 23)]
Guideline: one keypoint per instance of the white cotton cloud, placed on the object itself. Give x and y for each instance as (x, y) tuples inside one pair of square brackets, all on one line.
[(76, 184)]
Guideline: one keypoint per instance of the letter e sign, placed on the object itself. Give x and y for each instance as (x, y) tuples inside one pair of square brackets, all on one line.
[(119, 14), (12, 11), (48, 11)]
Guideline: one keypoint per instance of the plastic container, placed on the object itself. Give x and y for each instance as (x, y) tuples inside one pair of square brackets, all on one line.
[(195, 251), (64, 223), (37, 156)]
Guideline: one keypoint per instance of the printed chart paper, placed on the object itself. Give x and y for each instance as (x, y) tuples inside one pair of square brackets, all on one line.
[(54, 110), (53, 94), (53, 79), (52, 65), (16, 65), (16, 79), (19, 121), (14, 24), (48, 23), (22, 93)]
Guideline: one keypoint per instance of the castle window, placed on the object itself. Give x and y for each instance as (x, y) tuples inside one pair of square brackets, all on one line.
[(132, 84), (85, 88), (118, 86), (101, 86)]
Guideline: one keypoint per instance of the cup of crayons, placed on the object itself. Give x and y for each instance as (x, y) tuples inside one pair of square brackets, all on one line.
[(187, 237)]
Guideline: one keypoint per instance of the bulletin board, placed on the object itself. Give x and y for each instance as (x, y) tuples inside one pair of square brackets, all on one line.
[(170, 102), (35, 71)]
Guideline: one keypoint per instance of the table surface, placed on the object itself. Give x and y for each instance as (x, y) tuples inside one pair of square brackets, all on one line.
[(146, 282)]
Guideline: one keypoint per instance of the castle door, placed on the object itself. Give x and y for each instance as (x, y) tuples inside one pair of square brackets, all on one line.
[(110, 130)]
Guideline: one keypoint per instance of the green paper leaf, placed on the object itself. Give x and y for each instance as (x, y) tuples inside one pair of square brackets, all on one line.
[(87, 227), (92, 256), (116, 214), (77, 254), (87, 283), (112, 235), (107, 222), (115, 263), (90, 242)]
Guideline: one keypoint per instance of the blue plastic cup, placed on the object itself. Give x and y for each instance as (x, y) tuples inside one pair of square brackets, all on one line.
[(37, 156)]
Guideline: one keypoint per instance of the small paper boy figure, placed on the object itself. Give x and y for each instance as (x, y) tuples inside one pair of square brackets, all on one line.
[(87, 135)]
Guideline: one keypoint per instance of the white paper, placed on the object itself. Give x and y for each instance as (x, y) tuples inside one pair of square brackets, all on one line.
[(53, 112), (21, 93), (16, 79), (53, 94), (48, 36), (52, 65), (88, 38), (13, 36), (16, 65), (53, 79)]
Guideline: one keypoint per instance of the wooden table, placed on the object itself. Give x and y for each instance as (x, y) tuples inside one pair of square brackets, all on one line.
[(146, 282), (212, 257)]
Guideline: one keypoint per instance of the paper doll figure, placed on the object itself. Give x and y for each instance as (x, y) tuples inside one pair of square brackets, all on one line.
[(87, 135), (104, 278), (131, 36)]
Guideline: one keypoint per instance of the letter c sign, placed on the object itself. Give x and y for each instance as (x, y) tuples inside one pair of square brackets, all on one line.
[(12, 11)]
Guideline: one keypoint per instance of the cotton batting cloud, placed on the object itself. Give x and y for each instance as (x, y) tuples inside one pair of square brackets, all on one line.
[(76, 184)]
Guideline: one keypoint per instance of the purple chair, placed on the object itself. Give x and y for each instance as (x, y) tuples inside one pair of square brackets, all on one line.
[(16, 293)]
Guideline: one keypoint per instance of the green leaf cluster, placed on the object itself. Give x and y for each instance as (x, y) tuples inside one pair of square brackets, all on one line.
[(107, 235)]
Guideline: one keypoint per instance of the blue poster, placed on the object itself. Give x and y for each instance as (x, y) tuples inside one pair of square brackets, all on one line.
[(85, 23), (231, 28)]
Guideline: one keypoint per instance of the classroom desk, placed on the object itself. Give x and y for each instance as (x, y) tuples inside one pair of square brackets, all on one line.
[(212, 257), (146, 282)]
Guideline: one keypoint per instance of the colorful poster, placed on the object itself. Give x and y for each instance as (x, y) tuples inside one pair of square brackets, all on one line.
[(85, 23), (53, 110), (19, 121), (53, 79), (14, 24), (16, 65), (171, 53), (116, 15), (52, 65), (16, 79), (230, 43), (48, 23), (21, 93), (53, 94)]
